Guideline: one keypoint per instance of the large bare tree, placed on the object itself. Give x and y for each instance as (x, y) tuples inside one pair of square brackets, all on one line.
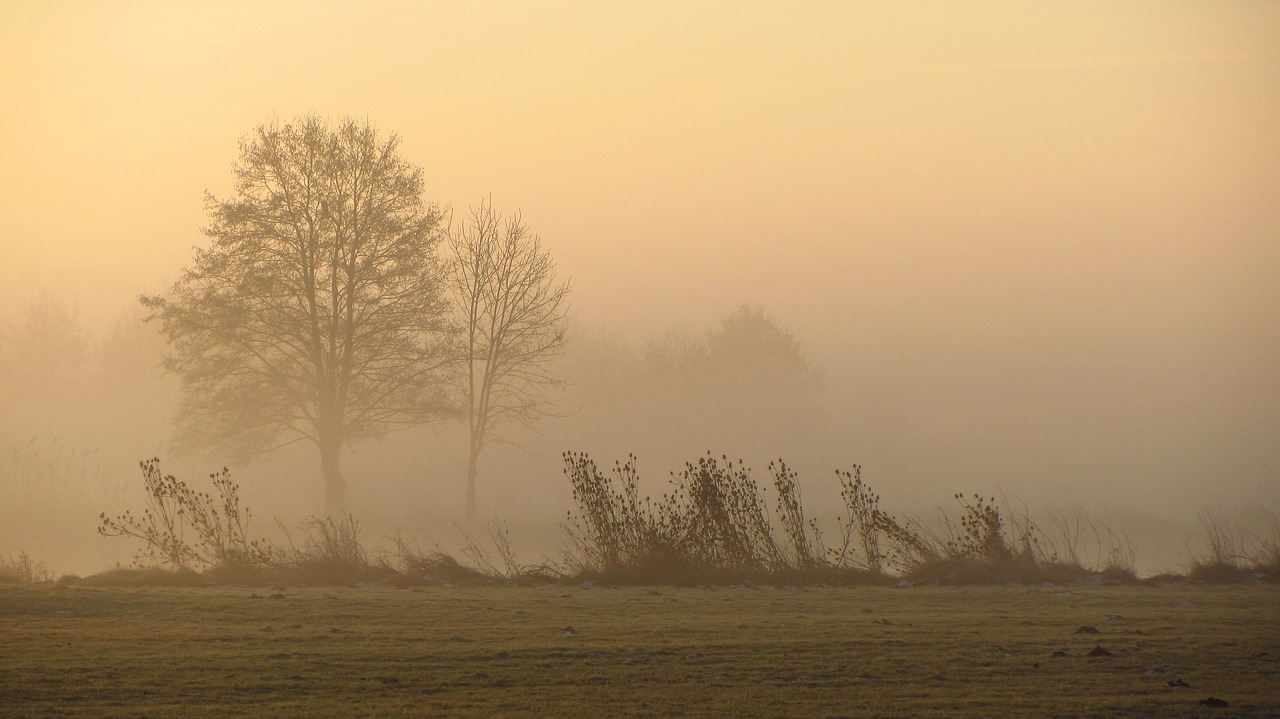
[(512, 314), (318, 313)]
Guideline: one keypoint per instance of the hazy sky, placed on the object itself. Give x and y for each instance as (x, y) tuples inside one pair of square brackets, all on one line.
[(1020, 238)]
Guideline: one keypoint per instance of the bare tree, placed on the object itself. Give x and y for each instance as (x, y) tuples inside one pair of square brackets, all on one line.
[(512, 313), (318, 312)]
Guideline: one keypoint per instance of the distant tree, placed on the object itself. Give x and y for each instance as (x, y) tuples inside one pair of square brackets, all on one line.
[(48, 341), (44, 371), (748, 358), (752, 353), (512, 313), (738, 384), (318, 311), (678, 355), (133, 399)]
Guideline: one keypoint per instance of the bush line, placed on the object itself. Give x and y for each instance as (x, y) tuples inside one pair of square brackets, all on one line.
[(714, 525)]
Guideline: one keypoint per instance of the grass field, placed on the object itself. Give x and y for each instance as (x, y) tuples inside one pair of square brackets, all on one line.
[(574, 650)]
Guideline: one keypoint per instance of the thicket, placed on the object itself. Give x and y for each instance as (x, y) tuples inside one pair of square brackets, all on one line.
[(23, 569), (714, 523), (184, 528), (1234, 553), (186, 536)]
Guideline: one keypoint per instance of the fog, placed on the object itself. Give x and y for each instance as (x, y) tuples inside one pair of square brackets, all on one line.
[(1030, 250)]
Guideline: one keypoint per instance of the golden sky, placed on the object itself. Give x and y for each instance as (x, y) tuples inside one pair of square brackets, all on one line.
[(1060, 210)]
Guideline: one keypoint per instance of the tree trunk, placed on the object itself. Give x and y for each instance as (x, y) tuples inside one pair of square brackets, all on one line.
[(335, 487)]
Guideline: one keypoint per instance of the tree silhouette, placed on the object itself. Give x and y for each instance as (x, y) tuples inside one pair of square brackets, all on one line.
[(750, 352), (47, 342), (45, 362), (318, 311), (512, 314), (745, 382)]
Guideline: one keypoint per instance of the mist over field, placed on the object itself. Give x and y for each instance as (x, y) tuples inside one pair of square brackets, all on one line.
[(1021, 251)]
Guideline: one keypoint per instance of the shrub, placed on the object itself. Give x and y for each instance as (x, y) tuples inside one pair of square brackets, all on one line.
[(184, 528), (988, 544), (982, 534), (908, 547), (434, 566), (330, 553), (612, 530), (712, 520), (713, 526), (861, 524), (23, 569), (724, 513), (806, 552), (1238, 552), (506, 565)]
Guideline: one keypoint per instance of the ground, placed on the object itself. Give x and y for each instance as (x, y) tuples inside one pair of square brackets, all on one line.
[(577, 650)]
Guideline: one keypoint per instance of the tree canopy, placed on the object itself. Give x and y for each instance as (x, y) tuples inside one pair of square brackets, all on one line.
[(317, 313)]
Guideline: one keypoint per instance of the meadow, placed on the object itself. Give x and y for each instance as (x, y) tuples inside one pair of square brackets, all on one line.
[(70, 649)]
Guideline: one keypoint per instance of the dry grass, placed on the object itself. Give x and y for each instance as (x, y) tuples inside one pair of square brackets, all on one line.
[(561, 650), (1245, 550)]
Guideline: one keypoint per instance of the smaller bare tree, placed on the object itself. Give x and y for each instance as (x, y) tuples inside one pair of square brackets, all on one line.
[(512, 313)]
